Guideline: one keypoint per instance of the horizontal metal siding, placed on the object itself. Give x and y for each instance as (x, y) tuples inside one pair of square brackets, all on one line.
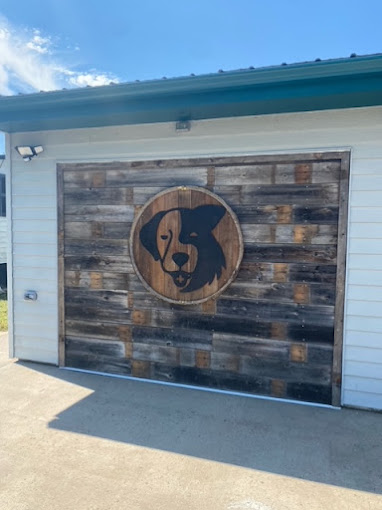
[(34, 210)]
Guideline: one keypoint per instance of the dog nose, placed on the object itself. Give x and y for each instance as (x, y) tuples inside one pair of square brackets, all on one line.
[(180, 258)]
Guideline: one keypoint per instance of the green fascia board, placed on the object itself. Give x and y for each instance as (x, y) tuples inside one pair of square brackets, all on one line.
[(342, 83)]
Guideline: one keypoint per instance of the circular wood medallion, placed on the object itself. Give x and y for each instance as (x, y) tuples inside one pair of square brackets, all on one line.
[(186, 245)]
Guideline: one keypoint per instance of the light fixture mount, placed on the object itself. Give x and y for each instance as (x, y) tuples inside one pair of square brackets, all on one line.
[(27, 152), (183, 125)]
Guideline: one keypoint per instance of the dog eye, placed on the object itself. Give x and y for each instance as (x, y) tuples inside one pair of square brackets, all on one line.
[(193, 234), (164, 237)]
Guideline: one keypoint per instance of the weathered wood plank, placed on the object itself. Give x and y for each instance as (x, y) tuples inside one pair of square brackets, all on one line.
[(98, 263), (278, 194), (264, 291), (61, 266), (340, 284), (285, 370), (270, 311), (321, 393), (108, 281), (318, 254), (155, 353), (205, 161), (109, 247), (249, 214), (114, 299), (79, 230), (102, 213), (310, 333), (116, 230), (144, 193), (244, 345), (292, 173), (311, 273), (323, 294), (92, 330), (173, 338), (243, 175), (107, 315), (326, 171), (98, 196), (316, 215), (239, 326), (317, 173), (306, 234), (281, 234), (76, 176), (91, 347), (320, 354), (145, 300), (96, 230), (221, 361), (292, 214), (255, 272), (98, 356), (211, 378), (163, 177), (257, 233)]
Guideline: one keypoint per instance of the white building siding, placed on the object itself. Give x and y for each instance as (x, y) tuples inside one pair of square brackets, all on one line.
[(3, 227), (34, 217), (3, 240)]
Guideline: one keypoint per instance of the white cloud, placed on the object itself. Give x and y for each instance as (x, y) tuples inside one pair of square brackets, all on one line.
[(29, 62), (38, 43), (90, 80)]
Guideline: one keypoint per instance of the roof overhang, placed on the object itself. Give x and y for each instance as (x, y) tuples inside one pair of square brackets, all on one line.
[(332, 84)]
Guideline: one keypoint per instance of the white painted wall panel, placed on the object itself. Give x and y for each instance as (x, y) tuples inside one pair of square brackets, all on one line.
[(361, 323), (366, 214), (365, 293), (366, 384), (365, 276), (3, 226), (360, 130), (362, 399), (359, 369), (40, 352), (3, 240), (366, 354)]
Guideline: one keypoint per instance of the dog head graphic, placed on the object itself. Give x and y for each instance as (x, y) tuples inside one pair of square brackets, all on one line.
[(182, 240)]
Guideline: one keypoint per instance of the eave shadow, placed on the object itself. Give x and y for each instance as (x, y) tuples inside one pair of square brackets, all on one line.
[(335, 447)]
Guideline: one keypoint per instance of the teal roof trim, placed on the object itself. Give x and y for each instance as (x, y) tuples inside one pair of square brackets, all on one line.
[(341, 83)]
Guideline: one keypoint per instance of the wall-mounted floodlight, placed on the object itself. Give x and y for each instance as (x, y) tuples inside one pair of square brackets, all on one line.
[(27, 152)]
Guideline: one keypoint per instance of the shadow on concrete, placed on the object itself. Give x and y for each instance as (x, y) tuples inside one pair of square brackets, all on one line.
[(336, 447)]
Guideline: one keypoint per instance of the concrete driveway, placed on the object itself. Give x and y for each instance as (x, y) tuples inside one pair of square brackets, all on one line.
[(87, 442)]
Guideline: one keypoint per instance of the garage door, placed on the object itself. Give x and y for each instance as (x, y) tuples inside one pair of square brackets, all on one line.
[(226, 273)]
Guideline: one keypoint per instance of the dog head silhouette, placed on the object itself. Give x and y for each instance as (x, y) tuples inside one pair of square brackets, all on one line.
[(182, 240)]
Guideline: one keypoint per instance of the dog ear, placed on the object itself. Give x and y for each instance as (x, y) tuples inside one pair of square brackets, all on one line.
[(209, 215), (148, 234)]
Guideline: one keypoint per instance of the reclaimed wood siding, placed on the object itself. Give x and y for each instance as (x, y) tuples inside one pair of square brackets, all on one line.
[(34, 218), (270, 333)]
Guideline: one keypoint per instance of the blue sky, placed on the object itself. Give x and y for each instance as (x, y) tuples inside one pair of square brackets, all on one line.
[(50, 44)]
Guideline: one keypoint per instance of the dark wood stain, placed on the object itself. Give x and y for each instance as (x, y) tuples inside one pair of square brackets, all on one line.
[(276, 329)]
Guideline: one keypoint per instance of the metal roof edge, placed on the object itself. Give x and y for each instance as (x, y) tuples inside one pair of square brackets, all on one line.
[(215, 81), (332, 84)]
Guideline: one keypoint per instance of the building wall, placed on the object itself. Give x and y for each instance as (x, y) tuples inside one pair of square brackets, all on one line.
[(3, 240), (3, 227), (34, 216)]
